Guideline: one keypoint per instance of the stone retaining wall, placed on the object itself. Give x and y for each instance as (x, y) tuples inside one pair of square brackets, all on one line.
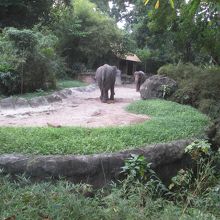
[(98, 169)]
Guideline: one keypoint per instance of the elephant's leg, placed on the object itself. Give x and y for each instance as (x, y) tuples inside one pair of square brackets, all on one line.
[(138, 85), (102, 94), (105, 95), (112, 93)]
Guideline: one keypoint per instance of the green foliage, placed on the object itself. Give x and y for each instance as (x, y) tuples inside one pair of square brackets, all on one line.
[(187, 33), (32, 60), (198, 149), (192, 195), (64, 200), (192, 182), (144, 55), (168, 121), (191, 185), (157, 5), (86, 35), (8, 56), (9, 82), (22, 39), (197, 86), (137, 168), (24, 13), (138, 171), (181, 183)]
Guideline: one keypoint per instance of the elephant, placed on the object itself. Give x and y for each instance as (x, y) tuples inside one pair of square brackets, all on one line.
[(139, 77), (105, 77)]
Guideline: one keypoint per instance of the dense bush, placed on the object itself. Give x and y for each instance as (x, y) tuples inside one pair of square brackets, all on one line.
[(199, 87), (9, 82), (28, 61)]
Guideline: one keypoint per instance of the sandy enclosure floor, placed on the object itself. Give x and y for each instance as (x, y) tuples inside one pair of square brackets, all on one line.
[(79, 109)]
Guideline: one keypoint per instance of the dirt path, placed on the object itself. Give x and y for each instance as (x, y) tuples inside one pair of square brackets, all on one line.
[(79, 109)]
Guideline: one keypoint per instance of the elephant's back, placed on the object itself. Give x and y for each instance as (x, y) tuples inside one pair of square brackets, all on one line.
[(106, 75)]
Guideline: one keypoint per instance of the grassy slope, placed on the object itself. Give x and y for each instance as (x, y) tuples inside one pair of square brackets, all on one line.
[(170, 121)]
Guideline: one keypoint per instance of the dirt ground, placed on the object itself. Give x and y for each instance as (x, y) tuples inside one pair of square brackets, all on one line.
[(79, 109)]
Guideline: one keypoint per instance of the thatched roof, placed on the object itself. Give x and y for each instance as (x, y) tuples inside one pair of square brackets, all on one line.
[(132, 57)]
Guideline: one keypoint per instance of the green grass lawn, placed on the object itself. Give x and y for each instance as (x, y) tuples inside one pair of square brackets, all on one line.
[(61, 84), (169, 121)]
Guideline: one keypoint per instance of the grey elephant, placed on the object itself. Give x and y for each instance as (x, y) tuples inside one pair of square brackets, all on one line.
[(105, 77), (139, 78)]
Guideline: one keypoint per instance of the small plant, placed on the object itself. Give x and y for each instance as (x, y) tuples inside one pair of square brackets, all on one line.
[(182, 179), (165, 90), (180, 184), (198, 149), (139, 173), (137, 168), (190, 184)]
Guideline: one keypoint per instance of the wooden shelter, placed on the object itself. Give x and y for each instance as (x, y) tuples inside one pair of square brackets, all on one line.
[(128, 64)]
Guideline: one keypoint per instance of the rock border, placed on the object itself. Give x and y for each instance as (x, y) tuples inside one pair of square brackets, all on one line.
[(16, 102), (99, 169)]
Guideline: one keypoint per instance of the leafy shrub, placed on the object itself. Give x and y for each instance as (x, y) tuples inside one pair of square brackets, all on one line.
[(137, 167), (9, 82), (23, 39), (190, 190), (210, 107), (199, 87), (4, 67), (76, 69), (27, 60), (180, 72)]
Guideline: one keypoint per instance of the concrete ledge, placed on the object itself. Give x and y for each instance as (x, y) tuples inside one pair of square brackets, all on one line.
[(98, 169)]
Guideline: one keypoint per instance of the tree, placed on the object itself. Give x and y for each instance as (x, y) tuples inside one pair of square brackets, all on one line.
[(26, 13), (181, 33), (86, 35), (26, 61)]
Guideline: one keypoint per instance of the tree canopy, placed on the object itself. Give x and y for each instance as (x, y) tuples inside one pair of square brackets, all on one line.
[(78, 35)]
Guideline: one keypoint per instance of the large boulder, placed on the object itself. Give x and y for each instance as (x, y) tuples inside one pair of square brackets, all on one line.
[(157, 86)]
